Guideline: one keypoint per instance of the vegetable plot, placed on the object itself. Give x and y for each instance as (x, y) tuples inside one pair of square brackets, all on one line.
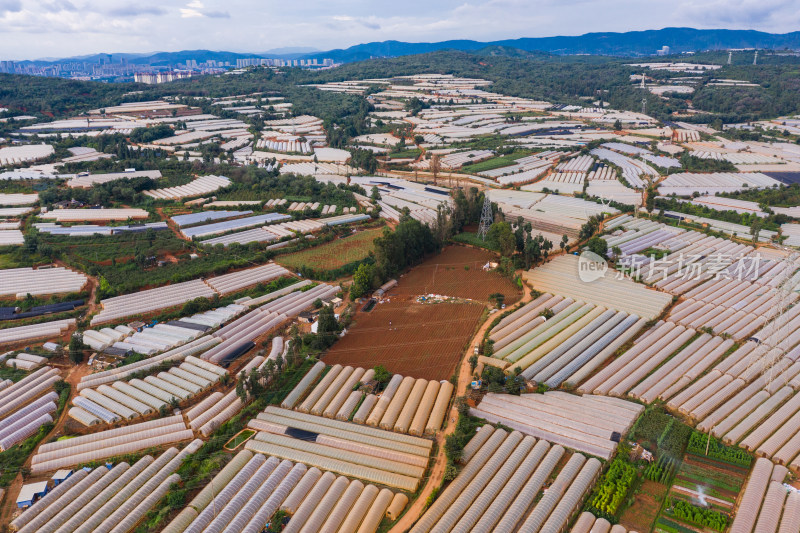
[(613, 489)]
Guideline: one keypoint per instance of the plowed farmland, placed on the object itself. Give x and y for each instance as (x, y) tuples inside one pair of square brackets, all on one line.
[(458, 272), (409, 338)]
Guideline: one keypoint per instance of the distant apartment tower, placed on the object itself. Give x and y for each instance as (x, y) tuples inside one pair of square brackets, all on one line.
[(145, 77), (257, 61), (163, 77), (664, 51), (153, 78), (7, 67)]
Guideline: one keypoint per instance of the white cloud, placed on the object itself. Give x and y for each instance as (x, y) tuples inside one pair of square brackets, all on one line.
[(37, 28), (197, 9)]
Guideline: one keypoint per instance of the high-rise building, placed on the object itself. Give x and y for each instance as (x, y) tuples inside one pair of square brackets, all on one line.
[(664, 51)]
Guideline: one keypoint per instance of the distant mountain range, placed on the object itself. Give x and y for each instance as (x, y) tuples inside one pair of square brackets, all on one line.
[(633, 43)]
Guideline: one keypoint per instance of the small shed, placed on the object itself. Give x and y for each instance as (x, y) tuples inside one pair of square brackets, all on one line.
[(384, 288), (60, 476), (30, 493)]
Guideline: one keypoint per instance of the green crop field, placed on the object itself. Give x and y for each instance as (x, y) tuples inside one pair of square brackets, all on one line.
[(334, 254)]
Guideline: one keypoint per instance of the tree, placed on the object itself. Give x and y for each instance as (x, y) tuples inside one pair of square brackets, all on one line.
[(327, 321), (519, 236), (598, 246), (450, 472), (269, 367), (408, 244), (435, 166), (498, 298), (547, 245), (488, 348), (76, 348), (617, 125), (532, 252), (375, 194), (589, 228), (473, 363), (362, 280), (564, 242), (516, 383), (381, 374), (755, 229), (650, 199), (502, 238), (506, 267), (276, 524)]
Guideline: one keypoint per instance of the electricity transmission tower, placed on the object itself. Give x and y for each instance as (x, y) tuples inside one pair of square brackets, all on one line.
[(486, 218), (644, 98), (779, 326)]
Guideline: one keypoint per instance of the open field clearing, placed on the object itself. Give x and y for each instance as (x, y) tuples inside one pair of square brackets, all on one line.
[(120, 248), (458, 272), (420, 340), (641, 515), (334, 254)]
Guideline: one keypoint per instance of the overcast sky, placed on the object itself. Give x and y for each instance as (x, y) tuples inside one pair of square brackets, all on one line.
[(60, 28)]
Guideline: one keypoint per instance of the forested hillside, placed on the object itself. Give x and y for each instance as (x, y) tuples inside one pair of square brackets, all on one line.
[(539, 75)]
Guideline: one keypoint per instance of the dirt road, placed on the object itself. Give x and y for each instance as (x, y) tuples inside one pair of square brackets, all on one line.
[(437, 470)]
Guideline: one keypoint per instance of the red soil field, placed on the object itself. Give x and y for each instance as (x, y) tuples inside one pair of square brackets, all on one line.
[(458, 272), (409, 338)]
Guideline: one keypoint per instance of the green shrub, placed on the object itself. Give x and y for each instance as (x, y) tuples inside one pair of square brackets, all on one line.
[(612, 489), (697, 515), (698, 442)]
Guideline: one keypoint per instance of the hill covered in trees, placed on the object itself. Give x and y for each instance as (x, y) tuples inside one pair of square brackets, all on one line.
[(631, 43), (574, 79)]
